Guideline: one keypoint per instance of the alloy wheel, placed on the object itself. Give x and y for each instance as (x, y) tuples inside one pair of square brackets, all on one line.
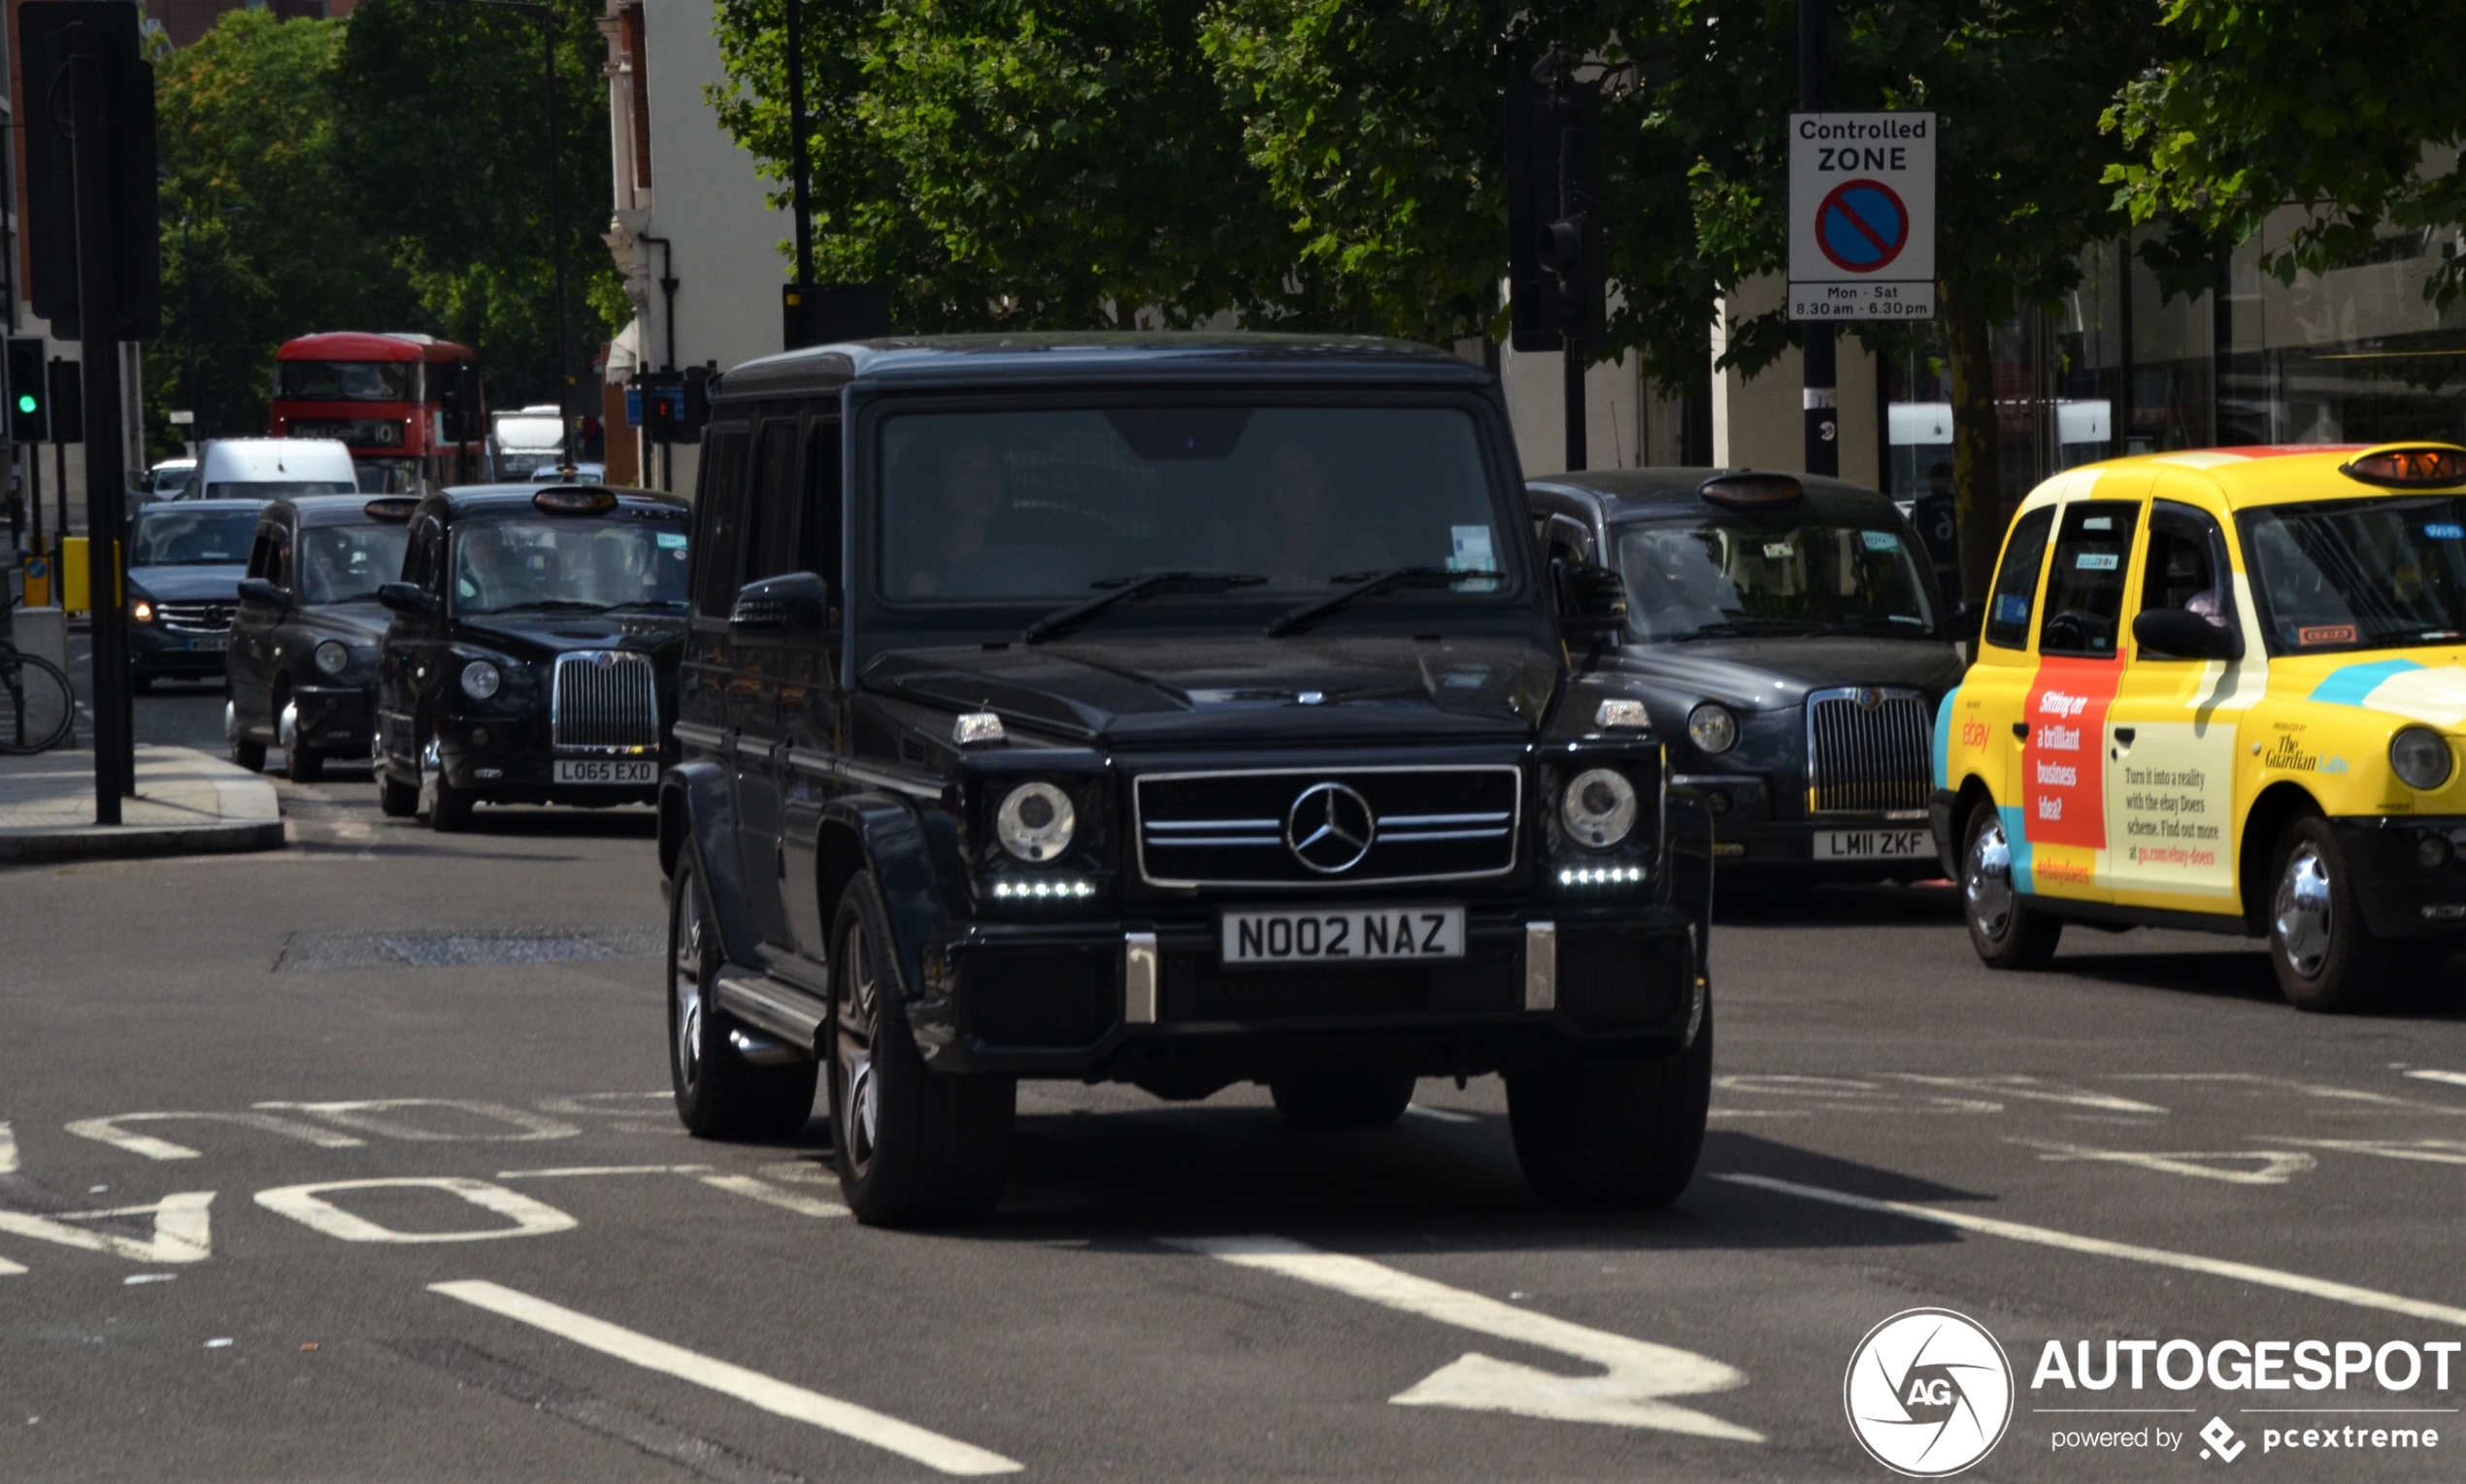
[(1986, 881), (2302, 912), (859, 1094), (685, 982)]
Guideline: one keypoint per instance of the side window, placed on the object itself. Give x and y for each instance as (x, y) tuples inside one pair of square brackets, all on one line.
[(2187, 564), (770, 532), (261, 550), (2016, 581), (820, 542), (2084, 589), (419, 562), (719, 513), (278, 556)]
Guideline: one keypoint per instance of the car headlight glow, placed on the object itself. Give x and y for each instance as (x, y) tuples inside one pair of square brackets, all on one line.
[(1712, 728), (1035, 822), (2419, 757), (333, 657), (482, 679), (141, 610), (1598, 807)]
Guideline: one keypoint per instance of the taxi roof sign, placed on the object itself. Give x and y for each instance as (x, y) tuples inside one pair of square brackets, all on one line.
[(575, 500), (1748, 491), (390, 507), (2409, 466)]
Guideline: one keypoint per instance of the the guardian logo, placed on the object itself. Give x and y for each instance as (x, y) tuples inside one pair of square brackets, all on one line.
[(1929, 1393)]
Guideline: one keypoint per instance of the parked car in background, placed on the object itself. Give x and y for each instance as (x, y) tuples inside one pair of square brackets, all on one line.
[(301, 673), (172, 478), (1788, 640), (185, 559), (265, 468), (584, 474), (533, 650)]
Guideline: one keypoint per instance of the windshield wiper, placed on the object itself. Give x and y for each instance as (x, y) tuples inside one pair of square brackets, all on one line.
[(661, 603), (1127, 588), (550, 606), (1869, 625), (1743, 628), (1365, 584)]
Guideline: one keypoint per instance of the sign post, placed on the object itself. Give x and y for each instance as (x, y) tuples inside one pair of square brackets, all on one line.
[(1861, 216)]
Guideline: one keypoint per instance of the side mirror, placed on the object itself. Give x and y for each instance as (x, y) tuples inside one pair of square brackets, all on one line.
[(792, 602), (1592, 601), (406, 599), (1966, 620), (259, 591), (2171, 633)]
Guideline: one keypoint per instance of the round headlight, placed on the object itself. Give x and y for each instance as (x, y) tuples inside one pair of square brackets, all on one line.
[(480, 679), (334, 656), (1035, 822), (2419, 757), (1598, 807), (141, 610), (1712, 728)]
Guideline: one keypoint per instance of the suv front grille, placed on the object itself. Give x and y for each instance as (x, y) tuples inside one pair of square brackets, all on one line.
[(1235, 829), (604, 700), (207, 617), (1869, 750)]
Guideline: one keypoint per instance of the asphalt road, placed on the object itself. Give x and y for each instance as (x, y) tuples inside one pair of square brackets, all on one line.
[(1190, 1291)]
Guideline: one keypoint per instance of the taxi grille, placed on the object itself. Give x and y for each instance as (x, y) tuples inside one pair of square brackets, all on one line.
[(1229, 828), (1868, 751), (194, 618), (604, 699)]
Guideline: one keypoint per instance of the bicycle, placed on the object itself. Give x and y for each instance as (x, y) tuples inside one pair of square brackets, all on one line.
[(37, 704)]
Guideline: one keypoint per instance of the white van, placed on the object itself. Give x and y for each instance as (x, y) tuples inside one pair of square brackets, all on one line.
[(525, 440), (272, 469)]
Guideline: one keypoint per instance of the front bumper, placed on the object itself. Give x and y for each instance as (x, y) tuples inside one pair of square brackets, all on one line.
[(2403, 897), (510, 760), (1749, 841), (154, 649), (1146, 1001), (340, 719)]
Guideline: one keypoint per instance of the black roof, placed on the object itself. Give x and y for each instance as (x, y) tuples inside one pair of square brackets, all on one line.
[(209, 507), (1098, 356), (1642, 492), (509, 499), (334, 510)]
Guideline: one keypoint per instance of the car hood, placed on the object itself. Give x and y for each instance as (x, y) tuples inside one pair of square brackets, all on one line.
[(541, 635), (357, 622), (1774, 673), (1235, 690), (186, 583)]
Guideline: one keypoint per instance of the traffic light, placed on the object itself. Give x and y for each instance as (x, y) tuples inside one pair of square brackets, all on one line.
[(29, 392), (1557, 246), (464, 402), (105, 35), (825, 313), (68, 402)]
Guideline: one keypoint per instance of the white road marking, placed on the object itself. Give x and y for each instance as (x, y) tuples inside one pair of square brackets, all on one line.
[(1848, 1094), (109, 1131), (2324, 1090), (948, 1455), (365, 1115), (571, 1172), (579, 1104), (2427, 1075), (1640, 1373), (9, 1270), (771, 1195), (305, 1204), (136, 1278), (2097, 1246), (2274, 1165), (1440, 1114), (7, 1151), (182, 1234), (2429, 1151), (2034, 1090)]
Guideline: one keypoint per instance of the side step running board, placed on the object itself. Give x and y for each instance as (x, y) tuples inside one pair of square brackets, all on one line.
[(768, 1004)]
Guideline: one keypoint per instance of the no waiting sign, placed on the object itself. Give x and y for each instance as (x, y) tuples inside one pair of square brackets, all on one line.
[(1862, 215)]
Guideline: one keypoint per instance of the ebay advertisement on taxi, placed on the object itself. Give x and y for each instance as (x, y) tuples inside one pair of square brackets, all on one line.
[(2063, 787)]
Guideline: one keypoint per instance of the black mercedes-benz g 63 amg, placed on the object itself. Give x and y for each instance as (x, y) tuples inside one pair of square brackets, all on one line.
[(1165, 710)]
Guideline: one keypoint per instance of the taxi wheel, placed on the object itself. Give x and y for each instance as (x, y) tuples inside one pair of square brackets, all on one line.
[(2327, 959), (1615, 1134), (914, 1145), (303, 764), (394, 801), (1342, 1097), (720, 1094), (249, 753), (2006, 931)]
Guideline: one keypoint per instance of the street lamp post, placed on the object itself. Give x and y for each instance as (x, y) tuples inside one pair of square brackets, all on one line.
[(545, 16)]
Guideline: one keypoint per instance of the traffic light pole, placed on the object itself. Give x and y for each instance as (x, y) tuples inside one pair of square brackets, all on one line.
[(106, 494), (1822, 398)]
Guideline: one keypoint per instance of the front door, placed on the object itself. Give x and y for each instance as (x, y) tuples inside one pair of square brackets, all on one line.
[(813, 721), (2081, 633), (768, 548), (250, 664)]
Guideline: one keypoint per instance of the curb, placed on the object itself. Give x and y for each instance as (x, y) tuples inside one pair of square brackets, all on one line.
[(124, 843)]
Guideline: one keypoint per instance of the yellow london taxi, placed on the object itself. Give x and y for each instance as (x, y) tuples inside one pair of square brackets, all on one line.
[(2221, 689)]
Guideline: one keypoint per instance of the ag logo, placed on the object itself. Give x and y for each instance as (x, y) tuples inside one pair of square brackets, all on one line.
[(1928, 1392)]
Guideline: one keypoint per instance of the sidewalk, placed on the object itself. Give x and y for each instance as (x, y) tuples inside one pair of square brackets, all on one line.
[(187, 803)]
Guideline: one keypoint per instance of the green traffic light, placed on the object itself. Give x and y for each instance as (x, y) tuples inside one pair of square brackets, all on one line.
[(25, 402)]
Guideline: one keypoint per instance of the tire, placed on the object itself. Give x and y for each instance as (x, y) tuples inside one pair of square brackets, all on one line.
[(394, 801), (914, 1147), (1621, 1133), (447, 807), (249, 753), (2007, 932), (1342, 1097), (303, 764), (2327, 958), (720, 1094)]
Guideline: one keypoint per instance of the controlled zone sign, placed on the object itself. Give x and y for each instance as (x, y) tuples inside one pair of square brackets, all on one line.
[(1862, 215)]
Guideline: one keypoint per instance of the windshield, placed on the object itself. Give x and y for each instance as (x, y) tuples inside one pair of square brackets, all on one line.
[(274, 489), (347, 381), (1046, 506), (2371, 573), (170, 537), (1727, 576), (346, 563), (552, 564)]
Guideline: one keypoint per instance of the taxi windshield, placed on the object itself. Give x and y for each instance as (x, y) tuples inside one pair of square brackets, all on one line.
[(348, 564), (2368, 574), (555, 565), (1728, 577)]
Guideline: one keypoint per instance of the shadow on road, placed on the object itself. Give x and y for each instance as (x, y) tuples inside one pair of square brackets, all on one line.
[(1781, 905)]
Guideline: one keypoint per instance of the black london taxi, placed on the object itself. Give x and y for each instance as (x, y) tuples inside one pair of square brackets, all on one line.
[(1164, 709), (1790, 643), (532, 656), (182, 584), (301, 673)]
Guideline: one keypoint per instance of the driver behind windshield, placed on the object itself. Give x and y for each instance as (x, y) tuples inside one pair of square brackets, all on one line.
[(974, 492), (1724, 579)]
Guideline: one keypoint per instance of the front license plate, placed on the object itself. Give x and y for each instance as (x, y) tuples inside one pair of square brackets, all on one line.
[(1873, 844), (210, 644), (598, 771), (1362, 935)]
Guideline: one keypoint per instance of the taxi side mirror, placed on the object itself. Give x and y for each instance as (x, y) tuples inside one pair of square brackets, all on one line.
[(406, 599), (264, 594), (2173, 633), (1592, 601)]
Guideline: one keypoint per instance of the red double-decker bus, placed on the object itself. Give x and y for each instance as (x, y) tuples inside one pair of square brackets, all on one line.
[(409, 407)]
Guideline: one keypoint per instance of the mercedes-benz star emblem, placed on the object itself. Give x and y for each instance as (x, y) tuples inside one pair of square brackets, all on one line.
[(1329, 828)]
